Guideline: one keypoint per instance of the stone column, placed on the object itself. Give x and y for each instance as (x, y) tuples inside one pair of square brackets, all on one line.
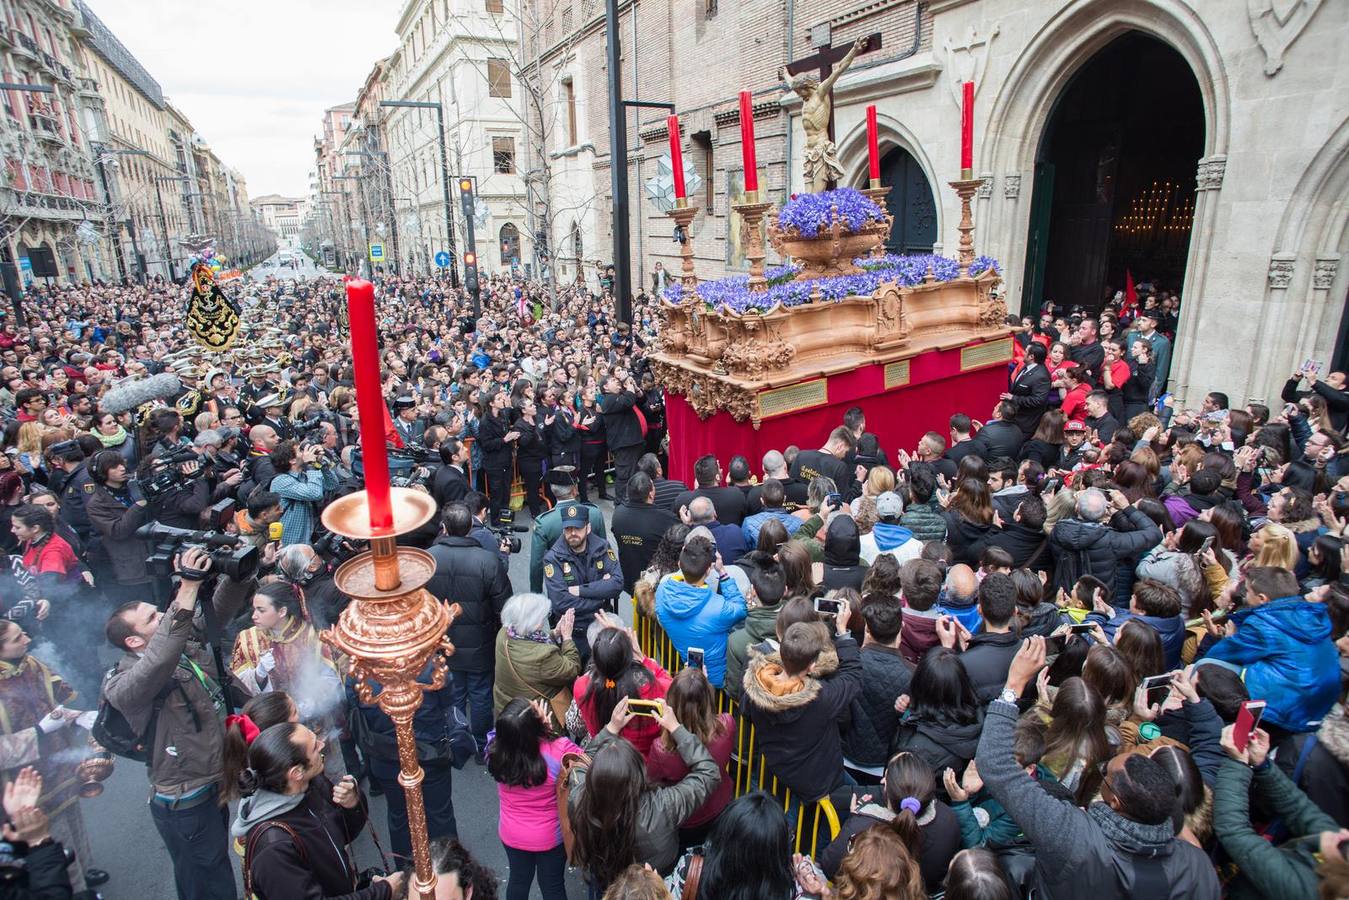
[(1209, 181)]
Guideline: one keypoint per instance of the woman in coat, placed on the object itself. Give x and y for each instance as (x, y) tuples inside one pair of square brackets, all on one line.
[(943, 717), (618, 818), (296, 825), (532, 661), (497, 439)]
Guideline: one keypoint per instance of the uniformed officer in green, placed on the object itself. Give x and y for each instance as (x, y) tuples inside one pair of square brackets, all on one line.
[(548, 527), (581, 572)]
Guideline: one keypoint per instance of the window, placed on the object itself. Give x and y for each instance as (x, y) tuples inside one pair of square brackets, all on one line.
[(503, 155), (498, 78), (710, 7), (703, 142), (569, 97), (496, 6)]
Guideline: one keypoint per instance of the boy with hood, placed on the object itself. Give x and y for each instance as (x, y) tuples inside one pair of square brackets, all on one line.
[(769, 585), (796, 709), (697, 614), (887, 535), (1155, 605)]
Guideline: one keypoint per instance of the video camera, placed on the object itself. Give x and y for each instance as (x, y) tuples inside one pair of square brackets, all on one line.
[(235, 562), (164, 475), (505, 524)]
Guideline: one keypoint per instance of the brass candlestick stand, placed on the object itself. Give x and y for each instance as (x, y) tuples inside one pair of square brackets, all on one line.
[(751, 218), (390, 631), (965, 189), (877, 192), (683, 215)]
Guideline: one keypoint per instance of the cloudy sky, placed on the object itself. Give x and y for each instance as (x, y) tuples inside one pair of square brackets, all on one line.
[(254, 76)]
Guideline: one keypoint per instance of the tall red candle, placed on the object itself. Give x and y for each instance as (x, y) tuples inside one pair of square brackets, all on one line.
[(967, 130), (370, 402), (676, 157), (873, 145), (747, 142)]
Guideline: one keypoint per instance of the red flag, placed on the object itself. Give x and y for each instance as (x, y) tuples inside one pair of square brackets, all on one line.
[(390, 433), (1130, 292)]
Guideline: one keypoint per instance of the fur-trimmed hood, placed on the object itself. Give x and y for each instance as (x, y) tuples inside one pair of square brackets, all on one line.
[(1334, 734), (769, 686), (1305, 526)]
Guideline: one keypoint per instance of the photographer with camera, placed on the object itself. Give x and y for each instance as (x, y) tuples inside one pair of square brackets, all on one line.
[(167, 689), (116, 509), (185, 493), (477, 580), (301, 482)]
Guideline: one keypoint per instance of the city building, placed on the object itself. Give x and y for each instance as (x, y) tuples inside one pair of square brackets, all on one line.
[(1202, 147), (281, 215)]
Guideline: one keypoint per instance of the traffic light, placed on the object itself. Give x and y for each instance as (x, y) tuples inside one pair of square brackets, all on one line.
[(466, 198), (471, 273)]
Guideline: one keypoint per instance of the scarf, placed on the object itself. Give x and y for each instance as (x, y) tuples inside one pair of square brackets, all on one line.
[(116, 439), (541, 636)]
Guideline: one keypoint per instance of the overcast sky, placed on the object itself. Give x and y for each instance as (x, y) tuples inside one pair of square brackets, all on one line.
[(254, 76)]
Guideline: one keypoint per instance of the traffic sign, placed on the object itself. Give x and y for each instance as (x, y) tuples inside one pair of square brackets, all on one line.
[(442, 259), (377, 253)]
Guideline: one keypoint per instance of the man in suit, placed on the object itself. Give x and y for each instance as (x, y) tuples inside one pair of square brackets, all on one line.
[(1029, 389), (450, 482), (1002, 436), (962, 444)]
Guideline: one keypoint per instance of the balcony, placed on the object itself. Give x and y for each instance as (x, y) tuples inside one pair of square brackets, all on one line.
[(26, 45), (46, 127), (42, 205)]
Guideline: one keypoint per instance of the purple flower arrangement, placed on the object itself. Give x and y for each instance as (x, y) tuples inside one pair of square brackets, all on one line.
[(732, 293), (811, 214), (983, 264)]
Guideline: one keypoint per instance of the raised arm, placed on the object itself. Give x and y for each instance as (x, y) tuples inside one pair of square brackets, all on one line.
[(828, 84)]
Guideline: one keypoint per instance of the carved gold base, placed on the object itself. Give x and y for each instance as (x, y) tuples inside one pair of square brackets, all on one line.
[(751, 220), (684, 216), (965, 189), (877, 192)]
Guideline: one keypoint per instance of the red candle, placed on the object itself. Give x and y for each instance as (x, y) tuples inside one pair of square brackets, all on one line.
[(676, 157), (967, 128), (370, 402), (873, 145), (747, 142)]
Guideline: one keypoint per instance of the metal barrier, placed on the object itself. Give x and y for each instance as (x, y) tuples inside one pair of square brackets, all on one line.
[(749, 769)]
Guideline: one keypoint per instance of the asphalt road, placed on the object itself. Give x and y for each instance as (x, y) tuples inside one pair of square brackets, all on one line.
[(124, 841), (271, 267)]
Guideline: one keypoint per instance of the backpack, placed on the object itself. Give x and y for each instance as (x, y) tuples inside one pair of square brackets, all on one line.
[(115, 734), (570, 763)]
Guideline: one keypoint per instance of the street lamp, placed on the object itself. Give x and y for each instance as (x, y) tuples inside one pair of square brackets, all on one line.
[(444, 171), (9, 270), (164, 222)]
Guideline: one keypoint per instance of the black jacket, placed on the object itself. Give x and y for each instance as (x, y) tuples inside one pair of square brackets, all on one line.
[(496, 453), (810, 463), (797, 493), (475, 579), (987, 659), (638, 529), (563, 438), (282, 870), (1028, 396), (1105, 426), (730, 503), (941, 742), (940, 841), (448, 485), (43, 876), (1049, 456), (533, 443), (873, 720), (798, 731), (1094, 548), (1023, 543), (999, 439), (182, 507), (965, 538), (621, 428)]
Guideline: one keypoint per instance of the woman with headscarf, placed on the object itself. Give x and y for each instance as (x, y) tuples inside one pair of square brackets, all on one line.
[(842, 566)]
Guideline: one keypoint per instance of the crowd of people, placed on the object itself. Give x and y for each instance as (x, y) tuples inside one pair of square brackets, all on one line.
[(1093, 645)]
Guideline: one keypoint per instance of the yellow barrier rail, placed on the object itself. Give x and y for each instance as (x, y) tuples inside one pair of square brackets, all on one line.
[(749, 769)]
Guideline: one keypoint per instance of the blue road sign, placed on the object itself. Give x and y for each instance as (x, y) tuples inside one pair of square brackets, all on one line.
[(442, 259)]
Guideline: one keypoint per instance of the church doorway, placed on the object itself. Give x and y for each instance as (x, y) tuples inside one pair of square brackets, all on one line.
[(910, 202), (1114, 187)]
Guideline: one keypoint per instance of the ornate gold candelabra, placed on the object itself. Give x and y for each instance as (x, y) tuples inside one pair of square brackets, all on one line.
[(390, 631), (683, 215), (965, 189), (751, 217), (877, 192)]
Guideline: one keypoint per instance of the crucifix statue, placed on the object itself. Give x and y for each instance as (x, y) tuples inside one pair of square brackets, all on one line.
[(817, 106)]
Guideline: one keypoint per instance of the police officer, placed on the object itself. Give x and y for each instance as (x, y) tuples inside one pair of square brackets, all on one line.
[(73, 486), (581, 572), (407, 421), (548, 527)]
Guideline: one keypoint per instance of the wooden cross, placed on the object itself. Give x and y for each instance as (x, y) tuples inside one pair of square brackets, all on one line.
[(823, 61)]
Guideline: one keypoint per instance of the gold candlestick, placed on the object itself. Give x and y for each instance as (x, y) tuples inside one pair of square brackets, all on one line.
[(878, 192), (965, 189), (390, 631), (751, 218), (683, 215)]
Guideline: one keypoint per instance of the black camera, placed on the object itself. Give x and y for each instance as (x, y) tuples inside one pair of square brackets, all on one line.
[(160, 481), (229, 556), (504, 526), (219, 516)]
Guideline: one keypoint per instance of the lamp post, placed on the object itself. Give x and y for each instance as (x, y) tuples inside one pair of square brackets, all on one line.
[(444, 172), (164, 222)]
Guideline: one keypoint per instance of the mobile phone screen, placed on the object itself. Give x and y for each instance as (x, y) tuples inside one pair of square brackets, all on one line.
[(1248, 719)]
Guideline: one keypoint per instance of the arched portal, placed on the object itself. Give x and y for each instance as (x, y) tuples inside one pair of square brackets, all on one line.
[(910, 202), (510, 245), (1114, 179)]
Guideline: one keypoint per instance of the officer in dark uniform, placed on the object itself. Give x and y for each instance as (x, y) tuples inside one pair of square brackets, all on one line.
[(581, 572), (74, 487), (548, 527), (406, 422)]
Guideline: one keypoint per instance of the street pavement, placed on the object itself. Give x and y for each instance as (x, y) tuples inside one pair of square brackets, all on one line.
[(272, 267), (124, 841)]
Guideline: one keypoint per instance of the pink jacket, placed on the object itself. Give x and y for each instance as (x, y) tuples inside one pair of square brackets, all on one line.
[(528, 818)]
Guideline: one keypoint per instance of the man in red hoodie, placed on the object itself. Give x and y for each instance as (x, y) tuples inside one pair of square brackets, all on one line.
[(920, 583)]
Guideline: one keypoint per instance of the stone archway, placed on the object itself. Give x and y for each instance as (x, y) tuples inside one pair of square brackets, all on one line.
[(1025, 101), (907, 171)]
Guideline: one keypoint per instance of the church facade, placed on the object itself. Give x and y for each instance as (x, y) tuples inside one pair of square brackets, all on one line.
[(1202, 146)]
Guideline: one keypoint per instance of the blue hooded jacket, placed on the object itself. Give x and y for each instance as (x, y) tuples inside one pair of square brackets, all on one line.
[(699, 616), (889, 536), (1284, 652), (1171, 630)]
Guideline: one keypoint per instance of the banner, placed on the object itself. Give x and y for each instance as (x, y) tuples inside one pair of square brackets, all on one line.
[(212, 317)]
